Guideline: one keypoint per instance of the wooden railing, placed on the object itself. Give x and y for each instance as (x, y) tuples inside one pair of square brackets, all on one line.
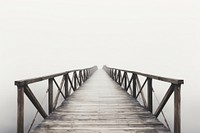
[(70, 80), (129, 81)]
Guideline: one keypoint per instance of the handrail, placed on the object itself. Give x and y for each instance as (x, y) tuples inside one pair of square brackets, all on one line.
[(132, 83), (170, 80), (33, 80), (70, 79)]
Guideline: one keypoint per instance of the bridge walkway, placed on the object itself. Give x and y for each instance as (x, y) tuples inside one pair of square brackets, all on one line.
[(100, 106)]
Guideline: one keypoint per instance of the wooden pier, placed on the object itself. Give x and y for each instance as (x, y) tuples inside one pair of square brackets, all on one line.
[(99, 105)]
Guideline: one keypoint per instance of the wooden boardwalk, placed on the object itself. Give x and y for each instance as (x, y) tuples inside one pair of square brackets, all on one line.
[(100, 106)]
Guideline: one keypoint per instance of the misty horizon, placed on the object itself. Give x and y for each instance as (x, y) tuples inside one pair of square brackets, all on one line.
[(45, 37)]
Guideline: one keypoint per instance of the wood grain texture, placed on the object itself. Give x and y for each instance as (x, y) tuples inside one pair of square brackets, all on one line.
[(100, 106)]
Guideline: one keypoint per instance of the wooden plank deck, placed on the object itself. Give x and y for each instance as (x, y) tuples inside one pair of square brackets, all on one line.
[(100, 106)]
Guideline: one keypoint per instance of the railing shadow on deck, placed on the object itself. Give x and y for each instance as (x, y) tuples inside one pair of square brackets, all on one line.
[(129, 80), (70, 80)]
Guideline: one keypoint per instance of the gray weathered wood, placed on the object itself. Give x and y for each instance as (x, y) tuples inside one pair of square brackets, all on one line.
[(149, 95), (50, 95), (84, 75), (164, 100), (119, 81), (177, 109), (34, 101), (170, 80), (70, 81), (81, 77), (129, 82), (58, 92), (74, 77), (33, 80), (134, 86), (142, 94), (59, 89), (123, 78), (23, 87), (20, 109), (100, 106), (140, 89), (175, 83), (125, 81), (66, 86)]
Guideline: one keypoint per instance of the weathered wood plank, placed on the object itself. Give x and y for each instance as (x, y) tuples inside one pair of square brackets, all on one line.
[(100, 105)]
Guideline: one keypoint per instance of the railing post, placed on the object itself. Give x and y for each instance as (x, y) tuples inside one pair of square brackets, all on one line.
[(50, 95), (112, 73), (177, 109), (74, 76), (149, 95), (80, 77), (88, 72), (134, 86), (84, 75), (125, 80), (119, 75), (116, 75), (66, 86), (20, 109)]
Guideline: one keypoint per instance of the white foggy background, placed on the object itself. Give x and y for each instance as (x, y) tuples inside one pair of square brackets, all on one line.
[(40, 37)]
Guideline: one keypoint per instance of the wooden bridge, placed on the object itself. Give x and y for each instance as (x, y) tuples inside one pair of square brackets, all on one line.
[(100, 104)]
